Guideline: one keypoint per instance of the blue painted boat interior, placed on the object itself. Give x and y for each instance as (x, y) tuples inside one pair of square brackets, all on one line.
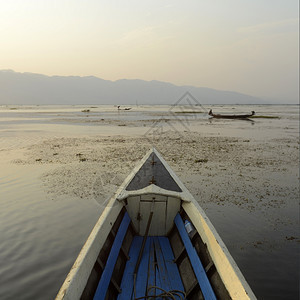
[(155, 273)]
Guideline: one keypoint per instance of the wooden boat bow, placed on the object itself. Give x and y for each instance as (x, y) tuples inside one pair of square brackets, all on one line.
[(140, 247)]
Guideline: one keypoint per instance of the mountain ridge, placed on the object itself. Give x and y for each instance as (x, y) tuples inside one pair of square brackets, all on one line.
[(33, 88)]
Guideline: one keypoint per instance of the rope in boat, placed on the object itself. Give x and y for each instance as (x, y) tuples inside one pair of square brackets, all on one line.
[(165, 294)]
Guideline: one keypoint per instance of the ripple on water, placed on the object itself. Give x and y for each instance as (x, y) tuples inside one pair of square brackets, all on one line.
[(39, 238)]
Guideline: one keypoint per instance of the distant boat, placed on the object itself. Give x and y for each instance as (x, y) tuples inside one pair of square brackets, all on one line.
[(126, 108), (153, 241), (221, 116)]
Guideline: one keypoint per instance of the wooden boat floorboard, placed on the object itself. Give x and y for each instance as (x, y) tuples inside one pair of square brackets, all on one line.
[(157, 270)]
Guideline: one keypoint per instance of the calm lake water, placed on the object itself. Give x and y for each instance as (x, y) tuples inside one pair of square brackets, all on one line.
[(41, 234)]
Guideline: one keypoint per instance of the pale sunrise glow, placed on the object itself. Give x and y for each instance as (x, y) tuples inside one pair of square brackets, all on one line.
[(245, 46)]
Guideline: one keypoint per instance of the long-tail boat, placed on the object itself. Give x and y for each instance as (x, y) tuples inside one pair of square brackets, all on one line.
[(229, 116)]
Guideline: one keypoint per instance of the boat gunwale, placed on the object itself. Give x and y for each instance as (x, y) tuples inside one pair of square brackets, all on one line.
[(77, 278), (223, 261)]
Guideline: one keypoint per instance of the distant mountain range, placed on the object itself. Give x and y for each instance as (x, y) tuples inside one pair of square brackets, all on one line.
[(29, 88)]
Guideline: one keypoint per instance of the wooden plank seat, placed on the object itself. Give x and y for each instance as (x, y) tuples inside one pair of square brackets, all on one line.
[(197, 266), (157, 272)]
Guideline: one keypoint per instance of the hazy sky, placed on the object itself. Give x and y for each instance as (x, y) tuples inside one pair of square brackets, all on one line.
[(248, 46)]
